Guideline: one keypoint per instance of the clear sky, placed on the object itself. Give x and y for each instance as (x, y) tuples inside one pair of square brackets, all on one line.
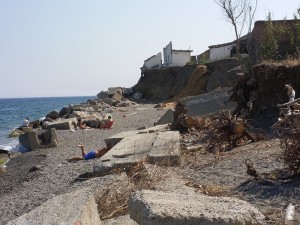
[(78, 48)]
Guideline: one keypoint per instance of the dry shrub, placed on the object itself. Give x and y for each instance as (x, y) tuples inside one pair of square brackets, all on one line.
[(290, 61), (227, 132), (289, 133), (210, 190), (112, 200)]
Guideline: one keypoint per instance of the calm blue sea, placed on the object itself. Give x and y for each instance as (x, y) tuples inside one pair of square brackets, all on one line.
[(13, 111)]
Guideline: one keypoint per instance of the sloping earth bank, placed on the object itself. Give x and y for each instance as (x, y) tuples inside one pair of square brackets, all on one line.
[(178, 82)]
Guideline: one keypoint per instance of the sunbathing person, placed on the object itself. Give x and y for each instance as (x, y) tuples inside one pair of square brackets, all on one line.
[(90, 155), (106, 123)]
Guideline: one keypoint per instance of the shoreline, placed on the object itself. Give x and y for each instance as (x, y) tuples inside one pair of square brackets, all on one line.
[(21, 190)]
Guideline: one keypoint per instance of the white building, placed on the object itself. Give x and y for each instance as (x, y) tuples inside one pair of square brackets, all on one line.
[(174, 57), (222, 51), (226, 50), (153, 62)]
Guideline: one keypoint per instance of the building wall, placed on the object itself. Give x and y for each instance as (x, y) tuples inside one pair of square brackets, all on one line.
[(180, 58), (168, 54), (218, 53), (154, 61)]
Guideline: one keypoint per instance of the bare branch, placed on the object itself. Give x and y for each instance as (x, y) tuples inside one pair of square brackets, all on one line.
[(236, 13)]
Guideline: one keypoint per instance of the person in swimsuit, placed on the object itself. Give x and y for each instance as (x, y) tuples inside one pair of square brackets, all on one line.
[(92, 154)]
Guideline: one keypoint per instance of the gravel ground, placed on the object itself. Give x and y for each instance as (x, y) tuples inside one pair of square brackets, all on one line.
[(51, 175), (34, 177)]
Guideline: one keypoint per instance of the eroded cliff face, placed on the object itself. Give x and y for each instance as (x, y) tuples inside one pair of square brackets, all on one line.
[(179, 82), (267, 84)]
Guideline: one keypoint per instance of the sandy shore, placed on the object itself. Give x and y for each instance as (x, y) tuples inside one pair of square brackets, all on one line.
[(34, 177)]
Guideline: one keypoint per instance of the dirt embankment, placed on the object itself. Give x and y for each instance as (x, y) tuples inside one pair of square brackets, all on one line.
[(264, 88), (269, 80), (179, 82)]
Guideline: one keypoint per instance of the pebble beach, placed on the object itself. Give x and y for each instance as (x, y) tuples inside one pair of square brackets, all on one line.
[(34, 177)]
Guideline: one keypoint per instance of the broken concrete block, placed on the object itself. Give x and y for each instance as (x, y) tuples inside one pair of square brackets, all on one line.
[(78, 207), (208, 103), (118, 137), (154, 208), (166, 118), (135, 145), (165, 149), (64, 124), (30, 141)]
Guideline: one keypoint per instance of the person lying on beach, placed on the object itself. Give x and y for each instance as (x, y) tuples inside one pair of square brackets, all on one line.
[(90, 155)]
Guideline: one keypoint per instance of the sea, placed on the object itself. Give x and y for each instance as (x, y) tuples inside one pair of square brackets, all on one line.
[(14, 110)]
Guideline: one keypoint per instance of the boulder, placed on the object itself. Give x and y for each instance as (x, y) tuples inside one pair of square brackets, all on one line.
[(154, 208), (85, 107), (110, 101), (137, 95), (102, 94), (53, 115), (65, 111), (127, 92), (91, 102), (114, 93), (124, 103)]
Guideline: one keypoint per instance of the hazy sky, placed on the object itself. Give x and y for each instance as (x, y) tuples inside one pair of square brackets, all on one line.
[(78, 48)]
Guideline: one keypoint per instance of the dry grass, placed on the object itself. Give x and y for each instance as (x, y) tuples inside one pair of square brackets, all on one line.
[(290, 61), (2, 170), (210, 190), (289, 132), (112, 200)]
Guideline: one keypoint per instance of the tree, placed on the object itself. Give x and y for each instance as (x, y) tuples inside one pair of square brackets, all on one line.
[(238, 13)]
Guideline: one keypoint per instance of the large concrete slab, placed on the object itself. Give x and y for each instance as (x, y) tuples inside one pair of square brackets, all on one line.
[(64, 124), (118, 137), (156, 147), (132, 145), (155, 208), (209, 103), (166, 148), (78, 207)]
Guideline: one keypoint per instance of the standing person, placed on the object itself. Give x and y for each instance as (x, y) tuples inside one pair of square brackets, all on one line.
[(26, 123), (92, 154)]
